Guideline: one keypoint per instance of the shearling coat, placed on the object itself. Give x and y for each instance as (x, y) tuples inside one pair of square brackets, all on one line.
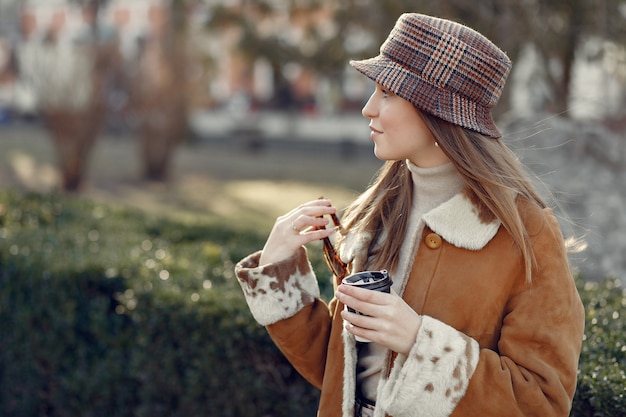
[(491, 344)]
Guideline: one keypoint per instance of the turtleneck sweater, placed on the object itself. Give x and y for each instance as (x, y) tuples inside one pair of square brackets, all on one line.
[(431, 187)]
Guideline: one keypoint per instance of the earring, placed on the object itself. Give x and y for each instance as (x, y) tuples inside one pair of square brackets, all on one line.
[(436, 144)]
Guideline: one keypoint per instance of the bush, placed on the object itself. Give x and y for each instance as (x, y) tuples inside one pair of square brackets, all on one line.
[(105, 311), (602, 371)]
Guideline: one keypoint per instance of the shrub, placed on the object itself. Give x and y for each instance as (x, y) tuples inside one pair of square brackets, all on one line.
[(105, 311), (602, 371)]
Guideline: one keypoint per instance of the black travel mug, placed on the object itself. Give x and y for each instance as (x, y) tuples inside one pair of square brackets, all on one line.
[(371, 280)]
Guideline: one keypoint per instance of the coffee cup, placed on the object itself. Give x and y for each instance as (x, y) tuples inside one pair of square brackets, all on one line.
[(370, 280)]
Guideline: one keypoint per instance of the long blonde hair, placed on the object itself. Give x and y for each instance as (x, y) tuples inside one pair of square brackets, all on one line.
[(490, 169)]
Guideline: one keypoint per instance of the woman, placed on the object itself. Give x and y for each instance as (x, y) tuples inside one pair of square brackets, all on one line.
[(483, 318)]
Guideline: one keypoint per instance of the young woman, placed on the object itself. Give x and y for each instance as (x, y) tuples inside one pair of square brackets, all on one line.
[(483, 318)]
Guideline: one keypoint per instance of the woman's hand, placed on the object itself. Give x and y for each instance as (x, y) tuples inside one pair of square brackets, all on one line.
[(297, 228), (388, 320)]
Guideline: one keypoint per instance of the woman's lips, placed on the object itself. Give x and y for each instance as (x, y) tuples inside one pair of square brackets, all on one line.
[(374, 131)]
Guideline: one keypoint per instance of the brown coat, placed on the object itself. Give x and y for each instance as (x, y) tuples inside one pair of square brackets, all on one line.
[(491, 344)]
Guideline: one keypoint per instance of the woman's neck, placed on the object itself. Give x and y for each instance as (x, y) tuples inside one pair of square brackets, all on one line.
[(433, 186)]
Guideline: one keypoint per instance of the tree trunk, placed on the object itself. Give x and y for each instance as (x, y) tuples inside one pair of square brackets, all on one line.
[(159, 98), (73, 134)]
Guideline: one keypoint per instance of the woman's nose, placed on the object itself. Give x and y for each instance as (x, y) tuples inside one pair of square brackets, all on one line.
[(369, 110)]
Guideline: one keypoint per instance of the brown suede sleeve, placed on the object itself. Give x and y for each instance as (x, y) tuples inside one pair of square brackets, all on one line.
[(304, 339)]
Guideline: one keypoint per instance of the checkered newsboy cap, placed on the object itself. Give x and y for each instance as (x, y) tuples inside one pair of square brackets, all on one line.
[(443, 68)]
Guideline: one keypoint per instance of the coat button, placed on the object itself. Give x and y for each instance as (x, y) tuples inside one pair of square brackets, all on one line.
[(433, 241)]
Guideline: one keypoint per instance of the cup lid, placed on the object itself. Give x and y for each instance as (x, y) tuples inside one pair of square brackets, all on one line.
[(366, 277)]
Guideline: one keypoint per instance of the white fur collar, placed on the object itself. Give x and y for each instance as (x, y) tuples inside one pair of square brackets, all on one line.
[(458, 221)]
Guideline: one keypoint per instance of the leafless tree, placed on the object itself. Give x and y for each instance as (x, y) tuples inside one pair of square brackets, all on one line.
[(69, 81), (158, 92)]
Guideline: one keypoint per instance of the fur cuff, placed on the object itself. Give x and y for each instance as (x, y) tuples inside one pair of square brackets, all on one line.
[(434, 376), (277, 291)]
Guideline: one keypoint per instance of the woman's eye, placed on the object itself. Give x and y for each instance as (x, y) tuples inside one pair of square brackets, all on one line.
[(383, 91)]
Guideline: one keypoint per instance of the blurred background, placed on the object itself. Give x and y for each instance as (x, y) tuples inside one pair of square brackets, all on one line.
[(242, 107)]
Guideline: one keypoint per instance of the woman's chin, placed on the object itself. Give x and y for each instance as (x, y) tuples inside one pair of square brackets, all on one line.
[(379, 154)]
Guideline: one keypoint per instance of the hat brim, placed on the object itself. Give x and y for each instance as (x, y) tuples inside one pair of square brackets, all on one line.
[(435, 100)]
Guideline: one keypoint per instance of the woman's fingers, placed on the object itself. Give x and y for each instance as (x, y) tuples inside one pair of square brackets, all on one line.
[(385, 318), (312, 208), (300, 226), (307, 218), (304, 223), (363, 300)]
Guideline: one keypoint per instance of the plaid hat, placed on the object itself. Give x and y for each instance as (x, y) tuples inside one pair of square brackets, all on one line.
[(443, 68)]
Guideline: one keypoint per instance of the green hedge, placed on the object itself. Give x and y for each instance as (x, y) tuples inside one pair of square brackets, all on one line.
[(602, 371), (109, 312), (104, 312)]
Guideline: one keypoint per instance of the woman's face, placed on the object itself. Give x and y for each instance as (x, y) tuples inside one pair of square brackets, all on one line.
[(399, 132)]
